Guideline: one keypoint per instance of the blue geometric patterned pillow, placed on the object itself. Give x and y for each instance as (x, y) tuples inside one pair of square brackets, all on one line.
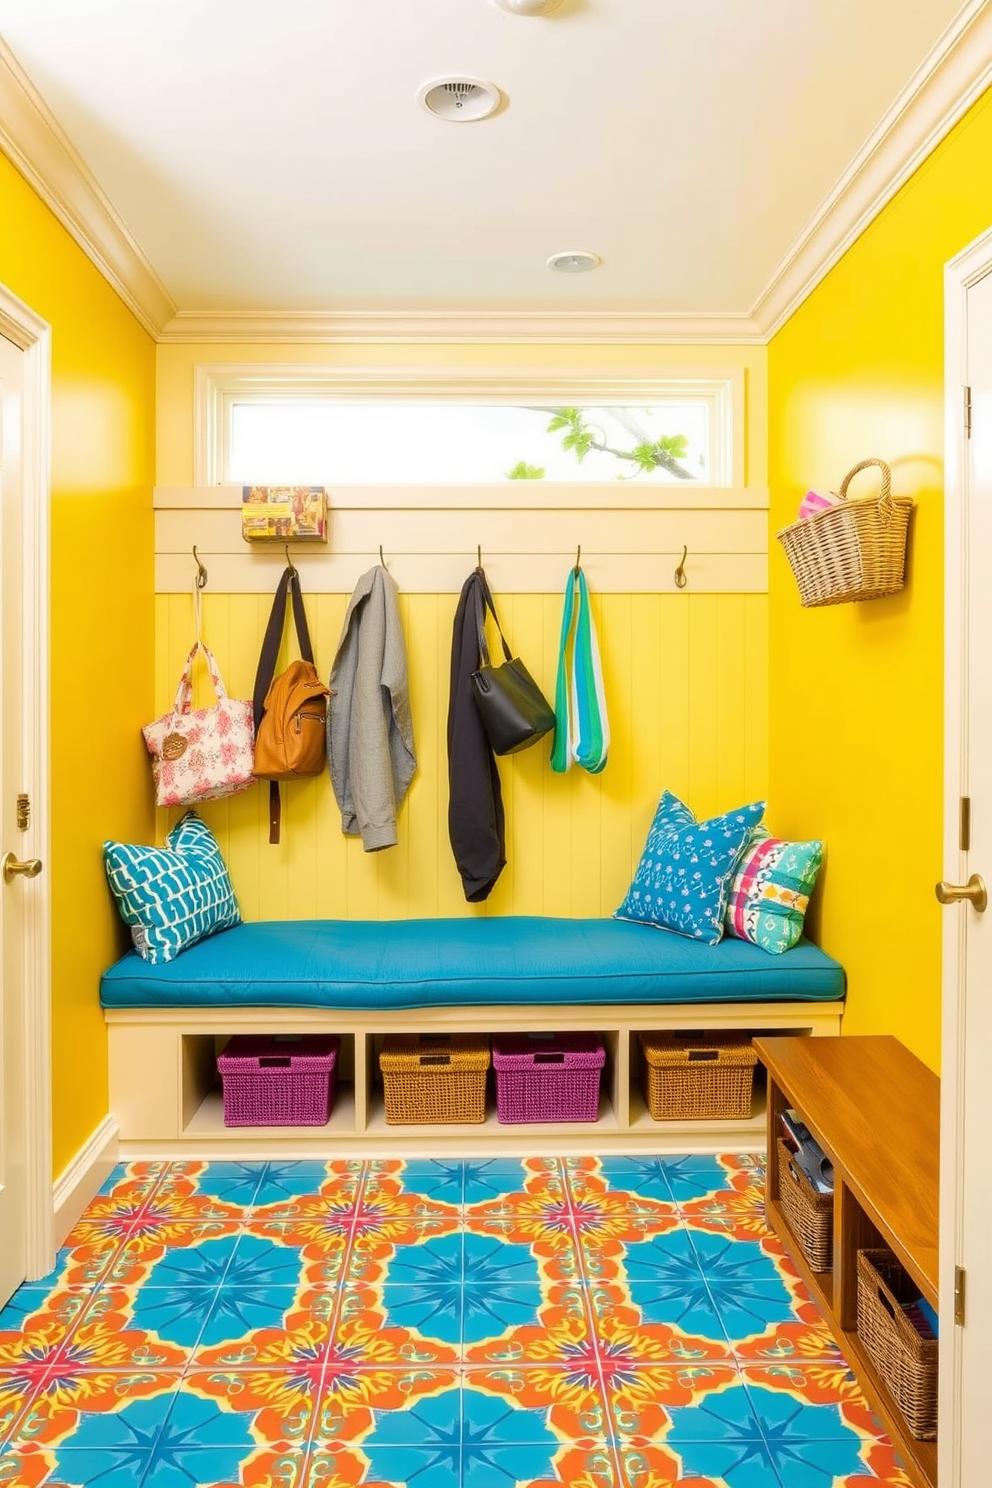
[(173, 896), (687, 867)]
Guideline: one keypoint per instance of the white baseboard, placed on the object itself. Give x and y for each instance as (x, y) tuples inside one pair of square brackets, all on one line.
[(82, 1178)]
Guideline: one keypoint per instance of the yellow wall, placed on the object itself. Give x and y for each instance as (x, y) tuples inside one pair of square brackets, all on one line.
[(856, 707), (103, 369), (686, 682)]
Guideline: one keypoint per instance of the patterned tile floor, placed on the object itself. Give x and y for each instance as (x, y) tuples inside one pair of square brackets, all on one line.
[(614, 1323)]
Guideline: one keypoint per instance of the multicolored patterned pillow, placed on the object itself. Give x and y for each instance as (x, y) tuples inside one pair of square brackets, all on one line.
[(173, 896), (684, 876), (771, 890)]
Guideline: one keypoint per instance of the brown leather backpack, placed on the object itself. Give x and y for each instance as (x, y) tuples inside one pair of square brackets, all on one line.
[(291, 709)]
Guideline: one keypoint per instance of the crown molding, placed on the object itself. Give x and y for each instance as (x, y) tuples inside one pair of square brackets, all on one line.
[(949, 81), (940, 92), (554, 328), (35, 143)]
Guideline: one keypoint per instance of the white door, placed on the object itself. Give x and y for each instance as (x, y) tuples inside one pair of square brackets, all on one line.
[(13, 1144), (966, 1083)]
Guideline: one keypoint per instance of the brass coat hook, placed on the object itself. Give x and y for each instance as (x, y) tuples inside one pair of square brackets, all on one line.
[(289, 562), (479, 555), (680, 576), (382, 561), (201, 576), (578, 555)]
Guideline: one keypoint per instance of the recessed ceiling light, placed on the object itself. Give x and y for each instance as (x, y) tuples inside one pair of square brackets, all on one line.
[(575, 262), (462, 100), (528, 7)]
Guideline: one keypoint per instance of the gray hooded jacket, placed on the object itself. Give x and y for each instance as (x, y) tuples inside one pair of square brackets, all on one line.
[(369, 730)]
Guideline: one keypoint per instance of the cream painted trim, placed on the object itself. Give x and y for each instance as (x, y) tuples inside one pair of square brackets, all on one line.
[(28, 331), (942, 89), (940, 92), (455, 327), (963, 271), (82, 1178), (544, 496), (34, 141)]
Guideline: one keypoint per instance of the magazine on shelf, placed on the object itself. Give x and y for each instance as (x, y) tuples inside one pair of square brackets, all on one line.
[(807, 1152)]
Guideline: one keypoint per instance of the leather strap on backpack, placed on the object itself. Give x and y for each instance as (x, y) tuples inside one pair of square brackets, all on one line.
[(288, 584), (275, 811)]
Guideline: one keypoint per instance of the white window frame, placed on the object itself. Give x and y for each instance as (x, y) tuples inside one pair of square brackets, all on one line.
[(218, 387)]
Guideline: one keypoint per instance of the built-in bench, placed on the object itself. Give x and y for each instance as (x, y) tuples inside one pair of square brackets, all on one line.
[(362, 979)]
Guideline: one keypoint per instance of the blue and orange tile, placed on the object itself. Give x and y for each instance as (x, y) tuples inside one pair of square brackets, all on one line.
[(627, 1322)]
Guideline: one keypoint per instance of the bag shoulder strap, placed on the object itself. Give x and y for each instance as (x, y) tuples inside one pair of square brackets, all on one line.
[(483, 602), (184, 693), (288, 584)]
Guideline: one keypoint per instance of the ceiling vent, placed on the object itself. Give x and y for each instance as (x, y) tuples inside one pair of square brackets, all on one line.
[(462, 100), (577, 261), (528, 7)]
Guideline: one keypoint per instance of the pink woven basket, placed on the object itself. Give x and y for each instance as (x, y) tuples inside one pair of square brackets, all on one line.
[(273, 1081), (547, 1077)]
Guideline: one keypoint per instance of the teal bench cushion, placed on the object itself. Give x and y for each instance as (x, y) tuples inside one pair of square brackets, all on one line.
[(510, 960)]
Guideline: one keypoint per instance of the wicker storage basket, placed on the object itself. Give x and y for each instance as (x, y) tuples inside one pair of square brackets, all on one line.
[(905, 1356), (698, 1075), (809, 1215), (551, 1077), (273, 1081), (432, 1078), (855, 550)]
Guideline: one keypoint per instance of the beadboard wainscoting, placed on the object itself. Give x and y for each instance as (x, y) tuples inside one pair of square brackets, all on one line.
[(686, 685)]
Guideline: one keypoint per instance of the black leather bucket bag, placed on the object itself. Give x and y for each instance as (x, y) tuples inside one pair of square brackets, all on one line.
[(515, 713)]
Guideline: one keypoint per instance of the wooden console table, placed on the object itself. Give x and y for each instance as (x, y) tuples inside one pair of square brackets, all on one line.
[(874, 1109)]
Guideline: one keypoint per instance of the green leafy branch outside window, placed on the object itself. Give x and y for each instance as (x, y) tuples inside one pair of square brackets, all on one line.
[(581, 437)]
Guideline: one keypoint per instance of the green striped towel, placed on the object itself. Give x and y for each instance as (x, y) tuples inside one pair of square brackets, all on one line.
[(582, 730)]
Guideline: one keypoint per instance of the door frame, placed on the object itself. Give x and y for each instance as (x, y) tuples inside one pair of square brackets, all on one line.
[(964, 270), (28, 331)]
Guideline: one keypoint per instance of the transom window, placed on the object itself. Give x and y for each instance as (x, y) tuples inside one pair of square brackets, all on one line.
[(387, 431)]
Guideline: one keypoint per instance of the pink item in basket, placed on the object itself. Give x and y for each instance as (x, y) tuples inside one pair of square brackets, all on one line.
[(279, 1080), (815, 502), (547, 1076)]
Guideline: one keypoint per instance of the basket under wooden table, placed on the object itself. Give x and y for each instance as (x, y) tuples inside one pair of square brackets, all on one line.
[(904, 1356), (810, 1215)]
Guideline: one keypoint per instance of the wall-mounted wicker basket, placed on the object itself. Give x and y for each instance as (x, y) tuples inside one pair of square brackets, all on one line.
[(854, 550)]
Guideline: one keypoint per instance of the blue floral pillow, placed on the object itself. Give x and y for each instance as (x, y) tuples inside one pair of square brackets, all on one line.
[(686, 870)]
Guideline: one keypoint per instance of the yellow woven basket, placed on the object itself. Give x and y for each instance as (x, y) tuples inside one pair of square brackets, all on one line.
[(854, 550), (434, 1078), (692, 1076)]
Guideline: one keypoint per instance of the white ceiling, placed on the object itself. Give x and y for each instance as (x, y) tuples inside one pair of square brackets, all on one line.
[(270, 156)]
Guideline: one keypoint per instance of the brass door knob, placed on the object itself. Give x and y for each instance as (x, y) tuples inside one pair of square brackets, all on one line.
[(12, 867), (974, 891)]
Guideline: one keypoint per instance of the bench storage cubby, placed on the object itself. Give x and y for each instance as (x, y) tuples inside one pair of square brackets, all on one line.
[(363, 980)]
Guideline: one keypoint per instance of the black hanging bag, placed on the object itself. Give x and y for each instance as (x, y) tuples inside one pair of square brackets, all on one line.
[(515, 713)]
